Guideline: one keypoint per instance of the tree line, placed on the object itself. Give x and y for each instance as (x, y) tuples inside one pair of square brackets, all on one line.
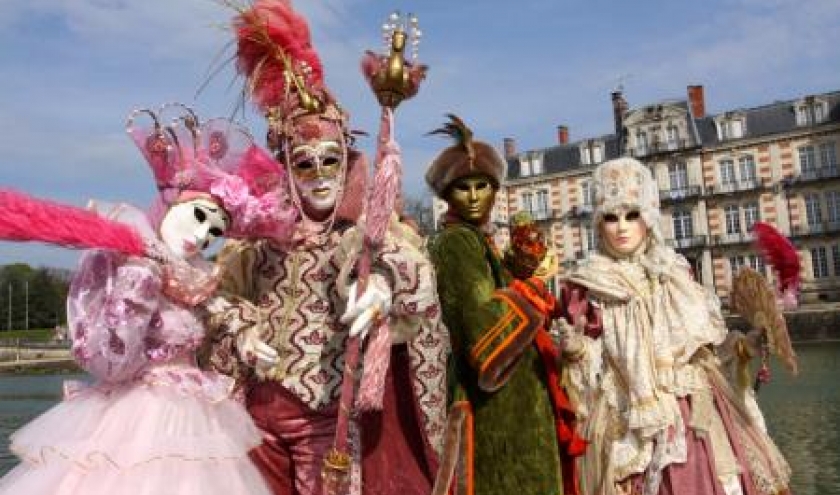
[(36, 294)]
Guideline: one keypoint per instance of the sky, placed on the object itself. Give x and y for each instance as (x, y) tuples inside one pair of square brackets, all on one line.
[(72, 70)]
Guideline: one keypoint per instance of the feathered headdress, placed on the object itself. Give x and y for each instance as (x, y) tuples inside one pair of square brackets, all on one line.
[(780, 253), (285, 78), (466, 157)]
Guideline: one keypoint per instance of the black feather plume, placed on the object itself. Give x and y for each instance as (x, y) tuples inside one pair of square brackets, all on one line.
[(457, 130)]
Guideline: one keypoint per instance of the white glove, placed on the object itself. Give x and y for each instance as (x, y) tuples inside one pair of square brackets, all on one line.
[(254, 352), (364, 311)]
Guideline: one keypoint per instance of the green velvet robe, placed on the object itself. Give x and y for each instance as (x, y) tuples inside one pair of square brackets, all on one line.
[(496, 368)]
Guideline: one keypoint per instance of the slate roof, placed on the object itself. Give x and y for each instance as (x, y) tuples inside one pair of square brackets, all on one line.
[(766, 120), (563, 157)]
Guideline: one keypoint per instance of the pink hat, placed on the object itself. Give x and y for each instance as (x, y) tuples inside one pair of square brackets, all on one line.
[(216, 158)]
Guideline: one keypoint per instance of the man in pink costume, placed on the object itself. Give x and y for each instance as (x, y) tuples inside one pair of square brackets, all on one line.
[(278, 326)]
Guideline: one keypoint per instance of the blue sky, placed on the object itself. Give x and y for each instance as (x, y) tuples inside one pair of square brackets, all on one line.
[(71, 70)]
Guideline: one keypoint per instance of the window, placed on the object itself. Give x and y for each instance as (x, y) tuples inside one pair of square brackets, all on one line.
[(641, 142), (819, 262), (683, 226), (536, 164), (746, 166), (733, 219), (590, 238), (731, 129), (597, 154), (807, 159), (810, 111), (812, 209), (678, 176), (756, 263), (835, 257), (672, 134), (819, 113), (735, 263), (751, 215), (525, 167), (828, 155), (727, 172), (802, 115), (588, 193), (541, 205), (832, 206), (528, 202)]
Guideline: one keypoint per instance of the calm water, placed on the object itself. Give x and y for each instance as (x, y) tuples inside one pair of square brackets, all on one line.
[(802, 413)]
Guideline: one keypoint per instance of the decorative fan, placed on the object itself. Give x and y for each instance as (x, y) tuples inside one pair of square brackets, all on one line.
[(754, 299)]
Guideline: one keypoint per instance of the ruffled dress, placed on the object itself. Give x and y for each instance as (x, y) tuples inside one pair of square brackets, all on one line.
[(659, 415), (151, 423)]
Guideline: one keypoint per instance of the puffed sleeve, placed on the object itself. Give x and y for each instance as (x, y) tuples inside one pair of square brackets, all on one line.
[(490, 325), (231, 310), (114, 301)]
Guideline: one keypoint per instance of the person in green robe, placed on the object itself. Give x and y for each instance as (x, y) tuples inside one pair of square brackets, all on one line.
[(507, 432)]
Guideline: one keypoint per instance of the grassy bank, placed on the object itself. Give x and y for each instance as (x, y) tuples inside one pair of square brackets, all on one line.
[(31, 335)]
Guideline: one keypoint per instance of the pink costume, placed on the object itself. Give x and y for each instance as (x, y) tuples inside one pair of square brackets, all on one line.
[(291, 297), (152, 422), (294, 297)]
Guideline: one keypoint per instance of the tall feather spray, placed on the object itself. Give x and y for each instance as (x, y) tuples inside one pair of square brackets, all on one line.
[(271, 35)]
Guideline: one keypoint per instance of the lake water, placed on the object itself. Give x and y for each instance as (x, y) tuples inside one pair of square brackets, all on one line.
[(803, 414)]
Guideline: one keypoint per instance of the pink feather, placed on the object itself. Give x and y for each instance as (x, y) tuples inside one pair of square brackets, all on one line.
[(24, 218), (780, 254), (269, 29)]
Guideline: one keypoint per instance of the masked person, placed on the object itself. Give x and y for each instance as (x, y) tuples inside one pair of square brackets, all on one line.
[(505, 392), (152, 422), (278, 323), (653, 403)]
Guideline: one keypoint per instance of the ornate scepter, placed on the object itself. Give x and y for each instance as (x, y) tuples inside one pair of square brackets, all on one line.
[(393, 79)]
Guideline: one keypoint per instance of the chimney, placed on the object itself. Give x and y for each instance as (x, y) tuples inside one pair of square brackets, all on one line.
[(697, 101), (510, 147), (562, 134), (619, 109)]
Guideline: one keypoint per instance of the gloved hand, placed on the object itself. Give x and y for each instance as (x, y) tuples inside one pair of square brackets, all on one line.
[(363, 311), (254, 352)]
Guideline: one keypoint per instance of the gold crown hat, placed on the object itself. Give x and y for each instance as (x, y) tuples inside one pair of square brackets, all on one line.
[(467, 157), (627, 183)]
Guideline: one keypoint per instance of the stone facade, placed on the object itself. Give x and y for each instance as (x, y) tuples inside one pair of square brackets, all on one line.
[(717, 175)]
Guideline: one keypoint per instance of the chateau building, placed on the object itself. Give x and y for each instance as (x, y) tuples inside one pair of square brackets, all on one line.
[(717, 174)]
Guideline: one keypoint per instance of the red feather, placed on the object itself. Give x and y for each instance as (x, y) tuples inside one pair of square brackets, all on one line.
[(24, 218), (780, 254), (265, 33)]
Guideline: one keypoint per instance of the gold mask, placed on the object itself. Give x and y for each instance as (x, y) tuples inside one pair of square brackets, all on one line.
[(320, 160), (472, 198)]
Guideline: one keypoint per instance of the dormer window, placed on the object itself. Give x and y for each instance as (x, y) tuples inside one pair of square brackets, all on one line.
[(672, 135), (591, 152), (641, 143), (810, 111), (730, 127), (530, 164), (536, 163), (524, 166)]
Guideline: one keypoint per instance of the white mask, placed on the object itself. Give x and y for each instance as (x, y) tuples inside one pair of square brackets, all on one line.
[(316, 172), (191, 226)]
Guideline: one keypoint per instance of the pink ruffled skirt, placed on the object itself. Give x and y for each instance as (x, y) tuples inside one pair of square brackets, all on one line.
[(173, 433)]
